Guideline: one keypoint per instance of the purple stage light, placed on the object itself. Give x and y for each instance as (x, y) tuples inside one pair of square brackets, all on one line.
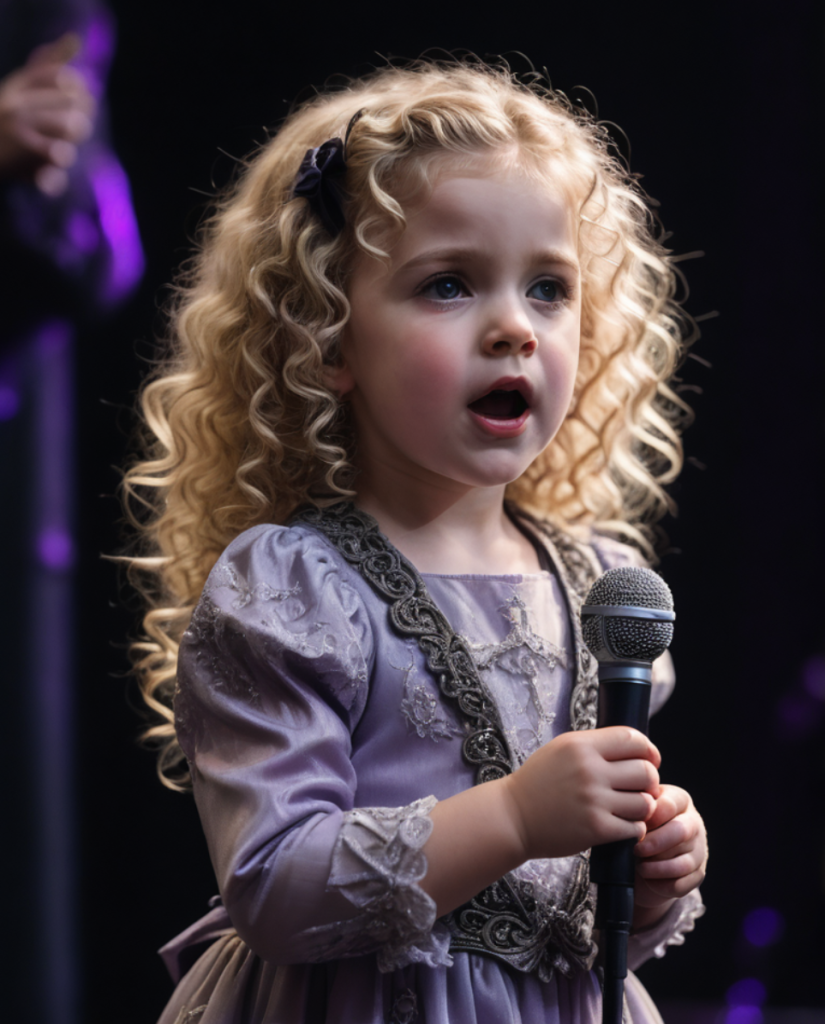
[(83, 233), (746, 992), (50, 665), (813, 676), (117, 219), (763, 926), (54, 338), (97, 52), (9, 402), (744, 1015), (55, 549)]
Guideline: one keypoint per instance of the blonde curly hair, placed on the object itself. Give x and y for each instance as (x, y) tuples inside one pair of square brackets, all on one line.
[(240, 427)]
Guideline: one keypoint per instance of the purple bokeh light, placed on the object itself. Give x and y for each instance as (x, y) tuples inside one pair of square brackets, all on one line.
[(83, 233), (117, 220), (9, 402), (799, 714), (746, 992), (813, 676), (744, 1015), (763, 926), (55, 548), (54, 338), (98, 49)]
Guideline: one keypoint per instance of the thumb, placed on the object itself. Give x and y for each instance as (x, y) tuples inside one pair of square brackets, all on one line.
[(61, 51)]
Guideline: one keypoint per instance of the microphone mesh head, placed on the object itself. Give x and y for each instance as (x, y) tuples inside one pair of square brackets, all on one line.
[(615, 637)]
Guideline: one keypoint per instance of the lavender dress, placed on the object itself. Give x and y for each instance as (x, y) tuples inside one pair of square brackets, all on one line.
[(318, 743)]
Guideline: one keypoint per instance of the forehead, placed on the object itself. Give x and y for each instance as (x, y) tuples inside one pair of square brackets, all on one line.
[(488, 204), (513, 163)]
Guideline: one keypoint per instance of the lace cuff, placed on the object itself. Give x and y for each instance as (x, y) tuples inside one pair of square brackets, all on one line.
[(680, 919), (377, 864)]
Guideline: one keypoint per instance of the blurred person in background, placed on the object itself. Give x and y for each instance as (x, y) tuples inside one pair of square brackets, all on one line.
[(70, 253)]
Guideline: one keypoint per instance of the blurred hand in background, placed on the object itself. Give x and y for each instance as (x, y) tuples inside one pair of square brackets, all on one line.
[(46, 112)]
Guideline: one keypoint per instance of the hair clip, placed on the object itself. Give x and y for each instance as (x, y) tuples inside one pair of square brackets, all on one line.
[(320, 180)]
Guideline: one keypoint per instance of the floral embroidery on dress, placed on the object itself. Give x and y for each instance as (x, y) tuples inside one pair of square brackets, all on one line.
[(424, 712), (229, 576), (211, 625), (206, 624), (519, 671), (523, 640), (207, 631), (323, 639)]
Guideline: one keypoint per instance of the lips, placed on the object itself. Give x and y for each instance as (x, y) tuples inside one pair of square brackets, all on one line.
[(507, 399)]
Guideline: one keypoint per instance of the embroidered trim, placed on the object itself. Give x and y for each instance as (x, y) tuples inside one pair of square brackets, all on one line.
[(404, 1009), (377, 864), (690, 910), (508, 921), (414, 613)]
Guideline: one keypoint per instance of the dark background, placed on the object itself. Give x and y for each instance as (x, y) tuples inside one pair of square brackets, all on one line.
[(723, 109)]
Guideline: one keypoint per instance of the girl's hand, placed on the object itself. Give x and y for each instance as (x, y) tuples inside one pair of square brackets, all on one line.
[(584, 788), (673, 855)]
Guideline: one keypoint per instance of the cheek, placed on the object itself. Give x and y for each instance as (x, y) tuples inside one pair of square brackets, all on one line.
[(426, 372), (434, 374), (563, 363)]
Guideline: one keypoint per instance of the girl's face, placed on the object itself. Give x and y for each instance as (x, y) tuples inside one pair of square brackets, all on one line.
[(459, 358)]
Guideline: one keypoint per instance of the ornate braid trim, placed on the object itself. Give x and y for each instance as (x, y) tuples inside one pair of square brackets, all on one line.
[(414, 613), (532, 932)]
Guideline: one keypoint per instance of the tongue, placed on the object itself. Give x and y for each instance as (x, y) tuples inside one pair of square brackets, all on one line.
[(499, 405)]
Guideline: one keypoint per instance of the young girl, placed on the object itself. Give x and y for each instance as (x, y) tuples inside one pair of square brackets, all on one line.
[(418, 375)]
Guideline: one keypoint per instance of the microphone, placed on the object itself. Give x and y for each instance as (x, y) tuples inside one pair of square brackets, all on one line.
[(627, 622)]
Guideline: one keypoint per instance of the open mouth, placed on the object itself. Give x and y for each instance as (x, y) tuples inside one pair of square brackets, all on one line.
[(499, 405)]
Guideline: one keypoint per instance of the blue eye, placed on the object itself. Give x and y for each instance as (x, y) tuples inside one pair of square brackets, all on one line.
[(548, 291), (444, 288)]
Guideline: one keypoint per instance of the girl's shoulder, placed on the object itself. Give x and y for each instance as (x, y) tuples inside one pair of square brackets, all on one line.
[(287, 567), (581, 543), (278, 553), (280, 613)]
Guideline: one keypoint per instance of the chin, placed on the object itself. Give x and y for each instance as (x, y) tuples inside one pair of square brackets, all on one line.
[(500, 474)]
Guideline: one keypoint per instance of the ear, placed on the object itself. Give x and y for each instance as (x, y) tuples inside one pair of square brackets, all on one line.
[(339, 378)]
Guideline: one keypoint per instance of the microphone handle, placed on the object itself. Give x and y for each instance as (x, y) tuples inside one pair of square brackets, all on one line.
[(624, 699)]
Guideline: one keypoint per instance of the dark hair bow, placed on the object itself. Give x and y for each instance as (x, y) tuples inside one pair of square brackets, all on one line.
[(320, 180)]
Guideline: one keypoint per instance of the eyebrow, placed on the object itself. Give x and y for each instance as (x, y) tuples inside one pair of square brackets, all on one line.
[(450, 254)]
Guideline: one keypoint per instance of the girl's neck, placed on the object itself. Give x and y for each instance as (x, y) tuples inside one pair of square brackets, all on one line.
[(449, 532)]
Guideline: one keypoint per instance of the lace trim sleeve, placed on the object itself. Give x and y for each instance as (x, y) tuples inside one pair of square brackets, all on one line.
[(376, 865), (670, 931)]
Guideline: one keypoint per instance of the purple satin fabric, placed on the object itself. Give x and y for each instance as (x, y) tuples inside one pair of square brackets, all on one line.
[(301, 714)]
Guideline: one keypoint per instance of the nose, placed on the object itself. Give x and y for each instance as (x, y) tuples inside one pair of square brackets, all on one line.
[(509, 331)]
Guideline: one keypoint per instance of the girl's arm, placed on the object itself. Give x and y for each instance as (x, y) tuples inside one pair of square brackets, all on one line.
[(579, 790), (272, 680)]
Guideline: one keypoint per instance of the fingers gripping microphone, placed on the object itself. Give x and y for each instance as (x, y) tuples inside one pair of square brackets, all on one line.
[(627, 622)]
